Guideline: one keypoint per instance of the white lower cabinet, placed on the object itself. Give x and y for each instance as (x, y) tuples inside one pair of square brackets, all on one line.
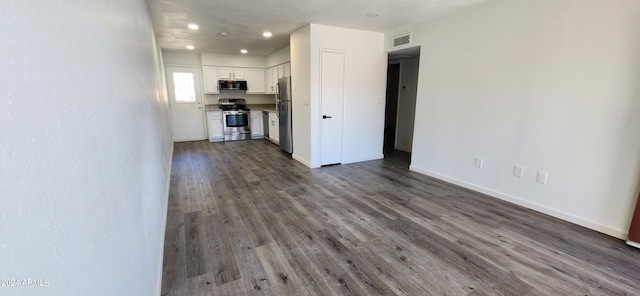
[(274, 127), (215, 126), (257, 130)]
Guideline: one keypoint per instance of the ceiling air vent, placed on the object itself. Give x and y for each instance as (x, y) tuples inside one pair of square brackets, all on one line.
[(401, 40)]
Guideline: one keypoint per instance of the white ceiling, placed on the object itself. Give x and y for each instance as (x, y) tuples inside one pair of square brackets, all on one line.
[(245, 20)]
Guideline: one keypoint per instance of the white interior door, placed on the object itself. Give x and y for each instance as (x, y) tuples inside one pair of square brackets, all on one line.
[(185, 97), (332, 102)]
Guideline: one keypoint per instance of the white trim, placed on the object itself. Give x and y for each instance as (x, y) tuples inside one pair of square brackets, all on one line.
[(633, 244), (621, 234), (301, 160), (164, 226), (360, 159)]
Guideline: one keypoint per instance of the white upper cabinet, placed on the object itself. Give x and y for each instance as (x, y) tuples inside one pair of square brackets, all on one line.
[(271, 80), (287, 69), (259, 80), (255, 80), (210, 80), (268, 78), (284, 70), (273, 74), (280, 71), (230, 73)]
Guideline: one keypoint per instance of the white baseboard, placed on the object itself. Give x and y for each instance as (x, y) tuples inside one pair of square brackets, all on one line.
[(633, 244), (301, 160), (360, 159), (164, 225), (621, 234)]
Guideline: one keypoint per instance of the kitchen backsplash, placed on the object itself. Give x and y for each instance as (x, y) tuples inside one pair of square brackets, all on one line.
[(250, 99)]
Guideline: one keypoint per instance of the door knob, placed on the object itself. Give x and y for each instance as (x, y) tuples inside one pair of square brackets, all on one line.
[(325, 116)]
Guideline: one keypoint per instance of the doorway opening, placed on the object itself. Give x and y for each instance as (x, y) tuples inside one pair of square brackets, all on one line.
[(400, 107)]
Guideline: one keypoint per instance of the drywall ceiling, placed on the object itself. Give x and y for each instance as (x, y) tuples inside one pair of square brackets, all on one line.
[(245, 20)]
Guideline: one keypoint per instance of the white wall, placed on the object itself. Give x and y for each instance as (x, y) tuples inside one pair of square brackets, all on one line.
[(279, 57), (365, 82), (85, 127), (406, 103), (303, 140), (552, 85), (181, 58), (233, 60)]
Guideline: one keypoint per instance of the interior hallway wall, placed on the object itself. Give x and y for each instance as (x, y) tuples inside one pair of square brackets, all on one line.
[(85, 148), (550, 85), (364, 98)]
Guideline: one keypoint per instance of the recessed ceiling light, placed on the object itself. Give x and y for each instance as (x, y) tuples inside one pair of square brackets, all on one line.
[(267, 34), (193, 26), (372, 14), (243, 51), (223, 33), (190, 47)]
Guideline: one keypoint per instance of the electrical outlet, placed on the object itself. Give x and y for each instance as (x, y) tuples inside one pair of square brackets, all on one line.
[(479, 162), (542, 177), (518, 171)]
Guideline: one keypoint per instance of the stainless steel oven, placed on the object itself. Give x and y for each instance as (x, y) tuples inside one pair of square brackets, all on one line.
[(236, 119), (236, 125)]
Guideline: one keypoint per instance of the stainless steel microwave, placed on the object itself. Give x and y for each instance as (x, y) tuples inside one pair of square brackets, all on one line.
[(232, 84)]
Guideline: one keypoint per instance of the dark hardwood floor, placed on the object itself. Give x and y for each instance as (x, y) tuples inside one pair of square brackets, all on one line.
[(245, 219)]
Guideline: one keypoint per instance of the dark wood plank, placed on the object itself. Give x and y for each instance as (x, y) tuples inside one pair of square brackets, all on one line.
[(221, 261), (194, 249), (174, 272), (245, 219), (361, 271)]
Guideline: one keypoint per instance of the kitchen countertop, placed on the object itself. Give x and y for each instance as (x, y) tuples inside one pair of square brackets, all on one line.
[(212, 107), (263, 107)]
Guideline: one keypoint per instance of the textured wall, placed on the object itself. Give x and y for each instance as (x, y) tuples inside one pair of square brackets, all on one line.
[(549, 85), (84, 148)]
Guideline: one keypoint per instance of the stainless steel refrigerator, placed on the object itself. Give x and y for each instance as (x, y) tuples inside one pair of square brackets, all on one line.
[(284, 111)]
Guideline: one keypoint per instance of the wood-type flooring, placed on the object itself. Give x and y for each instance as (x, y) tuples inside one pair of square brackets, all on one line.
[(246, 219)]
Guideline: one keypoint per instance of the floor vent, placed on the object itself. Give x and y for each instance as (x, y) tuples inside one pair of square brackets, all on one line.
[(401, 40)]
